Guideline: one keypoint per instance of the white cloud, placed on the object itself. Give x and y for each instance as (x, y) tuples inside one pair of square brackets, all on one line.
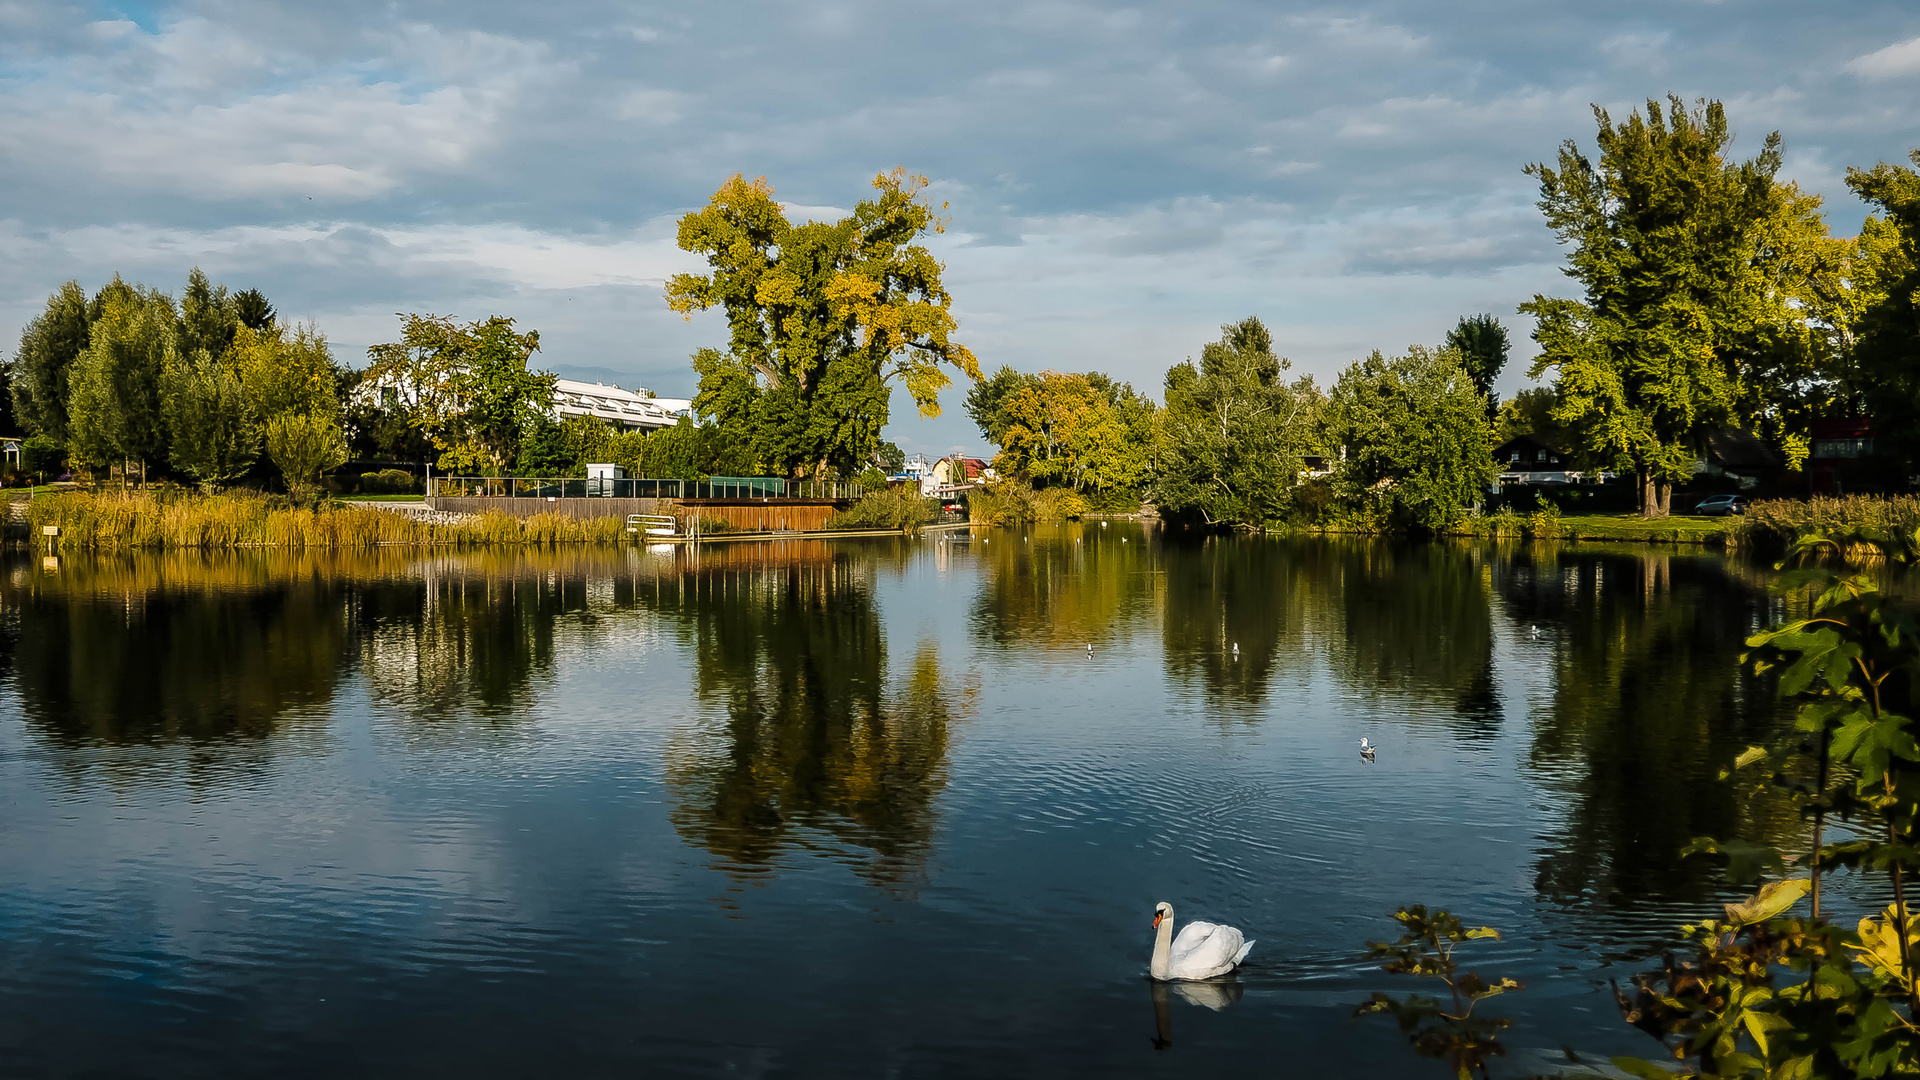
[(1900, 58), (200, 110)]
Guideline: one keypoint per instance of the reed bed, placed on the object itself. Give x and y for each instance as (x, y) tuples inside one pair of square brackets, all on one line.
[(1778, 522), (113, 520)]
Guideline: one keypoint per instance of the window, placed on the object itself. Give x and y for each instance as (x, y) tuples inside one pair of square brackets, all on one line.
[(1841, 448)]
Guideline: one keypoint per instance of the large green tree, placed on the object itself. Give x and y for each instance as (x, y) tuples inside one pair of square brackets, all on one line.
[(1414, 430), (48, 346), (1680, 254), (1084, 431), (468, 386), (1236, 431), (823, 319), (1886, 351)]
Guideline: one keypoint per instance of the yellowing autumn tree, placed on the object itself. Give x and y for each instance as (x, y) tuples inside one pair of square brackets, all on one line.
[(822, 318)]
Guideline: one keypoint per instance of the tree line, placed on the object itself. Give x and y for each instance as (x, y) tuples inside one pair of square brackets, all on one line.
[(1712, 296)]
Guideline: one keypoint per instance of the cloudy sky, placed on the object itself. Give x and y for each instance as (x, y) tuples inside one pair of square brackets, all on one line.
[(1122, 179)]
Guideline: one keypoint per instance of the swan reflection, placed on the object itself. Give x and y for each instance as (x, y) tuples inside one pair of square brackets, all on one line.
[(1216, 994)]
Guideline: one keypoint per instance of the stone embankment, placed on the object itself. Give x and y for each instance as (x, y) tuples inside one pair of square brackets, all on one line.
[(419, 511)]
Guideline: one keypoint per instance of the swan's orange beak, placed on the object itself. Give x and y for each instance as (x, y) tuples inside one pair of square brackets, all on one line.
[(1156, 920)]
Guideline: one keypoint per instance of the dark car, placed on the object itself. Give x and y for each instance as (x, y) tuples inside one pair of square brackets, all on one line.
[(1721, 505)]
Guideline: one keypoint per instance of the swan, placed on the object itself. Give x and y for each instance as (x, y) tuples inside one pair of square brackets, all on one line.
[(1204, 950)]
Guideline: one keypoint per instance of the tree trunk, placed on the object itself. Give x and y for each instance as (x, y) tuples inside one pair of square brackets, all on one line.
[(1649, 501), (1666, 498)]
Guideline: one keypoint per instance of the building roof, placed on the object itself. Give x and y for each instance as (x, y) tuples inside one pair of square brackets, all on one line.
[(1556, 442), (616, 405), (1740, 452)]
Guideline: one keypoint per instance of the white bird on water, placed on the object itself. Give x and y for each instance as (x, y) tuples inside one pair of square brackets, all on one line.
[(1367, 748), (1089, 648), (1236, 650), (1203, 950)]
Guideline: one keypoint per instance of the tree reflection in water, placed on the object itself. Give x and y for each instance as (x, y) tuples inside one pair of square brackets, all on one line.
[(1647, 703), (1237, 612), (1417, 623), (1064, 587), (818, 748), (149, 648)]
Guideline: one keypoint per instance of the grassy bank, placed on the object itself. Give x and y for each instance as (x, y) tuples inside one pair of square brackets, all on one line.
[(1684, 529), (112, 520)]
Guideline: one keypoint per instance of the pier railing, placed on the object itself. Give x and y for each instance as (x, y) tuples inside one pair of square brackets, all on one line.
[(718, 487)]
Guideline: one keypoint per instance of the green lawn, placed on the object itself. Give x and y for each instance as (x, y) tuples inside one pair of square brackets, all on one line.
[(1682, 527)]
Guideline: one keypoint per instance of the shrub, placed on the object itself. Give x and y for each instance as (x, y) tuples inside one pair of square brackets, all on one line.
[(388, 482), (1544, 523), (42, 454), (896, 508)]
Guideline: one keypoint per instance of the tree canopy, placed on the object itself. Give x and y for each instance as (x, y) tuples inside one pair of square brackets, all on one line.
[(1083, 431), (48, 346), (1414, 432), (822, 318), (1887, 273), (468, 386), (1682, 311), (1481, 343), (1236, 431)]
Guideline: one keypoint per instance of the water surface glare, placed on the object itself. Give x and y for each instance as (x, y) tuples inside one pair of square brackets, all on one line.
[(854, 808)]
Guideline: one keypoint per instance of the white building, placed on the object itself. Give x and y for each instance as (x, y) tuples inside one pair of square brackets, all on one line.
[(625, 410)]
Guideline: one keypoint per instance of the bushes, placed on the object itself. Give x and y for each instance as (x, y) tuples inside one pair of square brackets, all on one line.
[(388, 482), (1013, 503), (895, 508)]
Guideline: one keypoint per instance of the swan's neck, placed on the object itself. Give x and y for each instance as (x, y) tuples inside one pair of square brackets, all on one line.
[(1162, 965)]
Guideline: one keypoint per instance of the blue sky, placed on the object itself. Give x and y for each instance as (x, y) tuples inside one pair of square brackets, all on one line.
[(1122, 179)]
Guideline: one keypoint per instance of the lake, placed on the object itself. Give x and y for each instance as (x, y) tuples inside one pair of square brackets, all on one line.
[(847, 808)]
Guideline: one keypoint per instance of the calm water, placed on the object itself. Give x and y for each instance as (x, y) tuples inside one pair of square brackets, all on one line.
[(842, 809)]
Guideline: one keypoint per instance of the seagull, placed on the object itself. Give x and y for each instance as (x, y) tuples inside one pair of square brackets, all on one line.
[(1367, 749), (1236, 650), (1534, 630), (1089, 648)]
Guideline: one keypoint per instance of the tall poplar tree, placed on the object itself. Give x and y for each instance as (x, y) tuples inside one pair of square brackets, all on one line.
[(1481, 344), (1670, 246), (115, 400), (48, 346)]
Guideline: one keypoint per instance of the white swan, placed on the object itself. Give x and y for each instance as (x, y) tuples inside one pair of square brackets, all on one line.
[(1203, 950)]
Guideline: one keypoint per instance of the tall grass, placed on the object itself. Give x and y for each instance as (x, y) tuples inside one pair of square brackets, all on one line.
[(1782, 521), (104, 520)]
